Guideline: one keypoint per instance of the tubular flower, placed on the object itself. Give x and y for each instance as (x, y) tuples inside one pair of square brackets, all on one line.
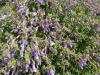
[(68, 45), (43, 53), (34, 69), (10, 40), (12, 53), (36, 57), (41, 1), (5, 60), (98, 28), (23, 44), (33, 45), (82, 63), (50, 72), (21, 53), (6, 73), (61, 39), (5, 15), (26, 66), (98, 41), (21, 9), (39, 11), (23, 18), (46, 27), (51, 42), (98, 57)]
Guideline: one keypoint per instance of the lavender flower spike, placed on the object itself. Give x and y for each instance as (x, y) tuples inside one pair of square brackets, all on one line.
[(82, 63)]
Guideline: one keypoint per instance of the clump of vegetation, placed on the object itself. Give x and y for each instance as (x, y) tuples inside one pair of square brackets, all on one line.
[(49, 37)]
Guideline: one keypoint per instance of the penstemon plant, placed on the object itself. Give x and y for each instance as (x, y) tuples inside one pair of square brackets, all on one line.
[(49, 37)]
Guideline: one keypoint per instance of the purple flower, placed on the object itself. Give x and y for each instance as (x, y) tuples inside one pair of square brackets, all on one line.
[(6, 14), (98, 57), (98, 41), (21, 9), (26, 66), (82, 63), (36, 55), (68, 45), (23, 44), (43, 53), (5, 60), (41, 1), (12, 52), (65, 46), (61, 39), (50, 72), (33, 45), (6, 73), (21, 53), (55, 34), (51, 42), (10, 40), (46, 27), (23, 18), (39, 11), (33, 68), (98, 28)]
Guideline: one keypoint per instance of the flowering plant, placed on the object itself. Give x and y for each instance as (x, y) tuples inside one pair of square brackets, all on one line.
[(49, 37)]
